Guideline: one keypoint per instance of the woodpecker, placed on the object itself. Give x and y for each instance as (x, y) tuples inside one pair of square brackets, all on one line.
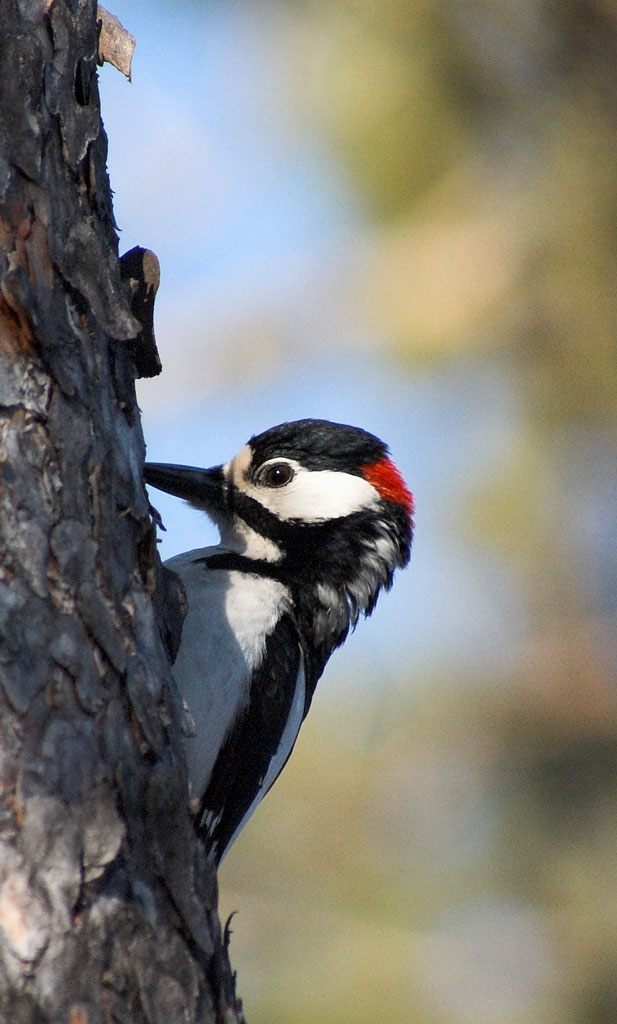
[(314, 518)]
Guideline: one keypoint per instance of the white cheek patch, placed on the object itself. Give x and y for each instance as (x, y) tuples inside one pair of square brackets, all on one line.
[(316, 495), (313, 495)]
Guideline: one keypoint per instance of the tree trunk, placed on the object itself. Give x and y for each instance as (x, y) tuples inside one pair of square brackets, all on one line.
[(107, 903)]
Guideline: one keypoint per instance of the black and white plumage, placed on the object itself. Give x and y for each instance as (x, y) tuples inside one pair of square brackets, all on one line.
[(314, 518)]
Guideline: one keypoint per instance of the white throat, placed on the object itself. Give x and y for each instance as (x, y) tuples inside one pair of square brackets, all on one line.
[(239, 537)]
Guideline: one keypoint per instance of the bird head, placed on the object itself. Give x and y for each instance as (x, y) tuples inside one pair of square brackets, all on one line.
[(322, 501)]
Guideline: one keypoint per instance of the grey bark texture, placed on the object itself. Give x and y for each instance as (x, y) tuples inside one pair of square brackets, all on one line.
[(107, 903)]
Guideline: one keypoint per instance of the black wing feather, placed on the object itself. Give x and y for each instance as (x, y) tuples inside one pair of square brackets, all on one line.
[(244, 758)]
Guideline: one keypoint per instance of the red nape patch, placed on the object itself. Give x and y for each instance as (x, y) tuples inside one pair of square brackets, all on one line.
[(386, 478)]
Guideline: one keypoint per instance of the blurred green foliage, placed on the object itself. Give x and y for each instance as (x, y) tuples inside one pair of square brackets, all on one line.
[(455, 861)]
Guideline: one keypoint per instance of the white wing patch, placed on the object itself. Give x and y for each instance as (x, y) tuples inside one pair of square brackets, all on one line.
[(290, 734), (230, 614)]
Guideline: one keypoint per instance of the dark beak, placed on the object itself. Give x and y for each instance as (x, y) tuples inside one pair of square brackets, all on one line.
[(203, 488)]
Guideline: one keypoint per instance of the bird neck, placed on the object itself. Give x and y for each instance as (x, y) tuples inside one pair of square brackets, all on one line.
[(331, 583)]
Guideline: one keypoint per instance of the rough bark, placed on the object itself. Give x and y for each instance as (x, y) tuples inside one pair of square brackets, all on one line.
[(107, 904)]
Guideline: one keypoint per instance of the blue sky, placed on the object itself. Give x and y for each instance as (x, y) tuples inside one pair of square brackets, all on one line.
[(216, 167)]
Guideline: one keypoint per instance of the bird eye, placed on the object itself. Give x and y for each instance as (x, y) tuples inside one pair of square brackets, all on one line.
[(276, 475)]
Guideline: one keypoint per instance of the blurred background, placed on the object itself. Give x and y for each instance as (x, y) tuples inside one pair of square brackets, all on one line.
[(403, 215)]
